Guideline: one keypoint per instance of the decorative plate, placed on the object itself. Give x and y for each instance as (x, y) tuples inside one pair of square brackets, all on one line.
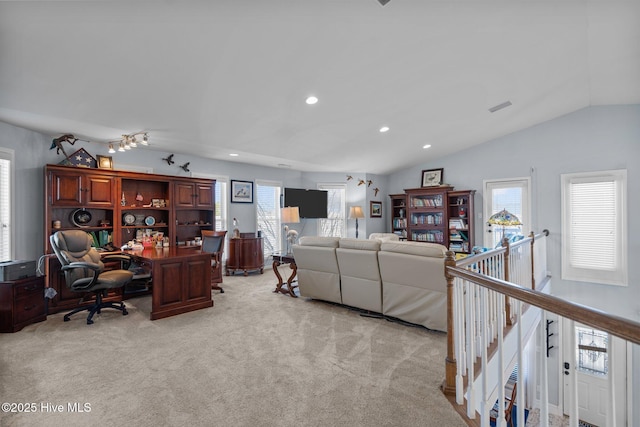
[(128, 218), (81, 217), (149, 220)]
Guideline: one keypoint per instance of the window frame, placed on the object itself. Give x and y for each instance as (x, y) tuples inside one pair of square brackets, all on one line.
[(278, 243), (617, 276), (9, 155), (335, 186)]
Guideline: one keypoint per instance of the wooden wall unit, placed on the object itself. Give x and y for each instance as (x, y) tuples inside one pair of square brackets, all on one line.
[(427, 214), (399, 215), (461, 220), (438, 215), (107, 196)]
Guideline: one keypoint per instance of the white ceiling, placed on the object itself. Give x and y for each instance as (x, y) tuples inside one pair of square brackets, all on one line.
[(209, 78)]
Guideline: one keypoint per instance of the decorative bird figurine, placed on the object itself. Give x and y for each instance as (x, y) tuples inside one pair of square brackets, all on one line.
[(349, 177), (185, 167), (57, 143), (375, 191), (360, 181), (369, 182), (169, 159)]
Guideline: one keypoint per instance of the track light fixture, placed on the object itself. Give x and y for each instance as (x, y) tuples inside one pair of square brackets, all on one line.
[(127, 142)]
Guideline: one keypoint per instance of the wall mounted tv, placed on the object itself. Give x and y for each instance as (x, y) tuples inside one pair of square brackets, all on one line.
[(311, 203)]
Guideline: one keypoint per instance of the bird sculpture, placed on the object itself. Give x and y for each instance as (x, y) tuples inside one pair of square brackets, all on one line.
[(361, 181), (169, 159), (349, 177), (185, 167), (57, 143), (369, 182), (375, 191)]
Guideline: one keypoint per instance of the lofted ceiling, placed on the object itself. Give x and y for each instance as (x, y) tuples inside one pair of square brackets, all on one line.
[(211, 78)]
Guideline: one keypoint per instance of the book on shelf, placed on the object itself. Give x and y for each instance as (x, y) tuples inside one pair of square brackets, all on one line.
[(457, 223)]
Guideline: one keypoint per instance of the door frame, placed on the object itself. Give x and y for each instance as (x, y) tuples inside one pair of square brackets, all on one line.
[(527, 221), (626, 374)]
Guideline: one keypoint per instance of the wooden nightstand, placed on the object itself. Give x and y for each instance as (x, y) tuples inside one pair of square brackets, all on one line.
[(21, 303)]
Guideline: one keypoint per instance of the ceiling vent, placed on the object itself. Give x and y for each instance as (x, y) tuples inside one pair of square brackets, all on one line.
[(500, 106)]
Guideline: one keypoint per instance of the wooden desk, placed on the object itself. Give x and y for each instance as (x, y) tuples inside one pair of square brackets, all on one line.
[(279, 259), (181, 279)]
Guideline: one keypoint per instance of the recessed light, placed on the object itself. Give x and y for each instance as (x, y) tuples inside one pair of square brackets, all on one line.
[(234, 154), (384, 129), (426, 146), (311, 100)]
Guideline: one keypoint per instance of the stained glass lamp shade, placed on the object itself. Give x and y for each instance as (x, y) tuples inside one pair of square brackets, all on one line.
[(504, 218)]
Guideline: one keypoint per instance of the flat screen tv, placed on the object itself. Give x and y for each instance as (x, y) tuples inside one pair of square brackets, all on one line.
[(310, 203)]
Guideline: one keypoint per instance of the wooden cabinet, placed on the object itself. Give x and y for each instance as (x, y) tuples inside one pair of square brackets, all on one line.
[(427, 214), (117, 205), (246, 254), (194, 194), (21, 303), (195, 208), (399, 215), (461, 220), (79, 188)]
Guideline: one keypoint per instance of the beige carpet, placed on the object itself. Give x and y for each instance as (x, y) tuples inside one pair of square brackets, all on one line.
[(255, 359)]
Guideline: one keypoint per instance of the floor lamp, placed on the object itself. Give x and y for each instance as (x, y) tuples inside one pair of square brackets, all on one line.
[(504, 218), (356, 212), (290, 215)]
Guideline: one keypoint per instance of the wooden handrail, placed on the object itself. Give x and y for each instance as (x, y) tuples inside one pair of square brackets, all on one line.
[(615, 325)]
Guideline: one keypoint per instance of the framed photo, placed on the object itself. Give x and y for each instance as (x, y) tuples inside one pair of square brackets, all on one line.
[(241, 191), (432, 177), (375, 210), (105, 162), (155, 203)]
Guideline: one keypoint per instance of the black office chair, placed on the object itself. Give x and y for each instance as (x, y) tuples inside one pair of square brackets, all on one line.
[(214, 245), (84, 270)]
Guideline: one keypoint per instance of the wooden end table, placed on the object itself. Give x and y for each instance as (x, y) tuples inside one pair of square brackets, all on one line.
[(279, 259)]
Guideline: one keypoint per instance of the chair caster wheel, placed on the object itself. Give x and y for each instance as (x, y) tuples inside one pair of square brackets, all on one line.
[(66, 319), (222, 291), (125, 312), (89, 322)]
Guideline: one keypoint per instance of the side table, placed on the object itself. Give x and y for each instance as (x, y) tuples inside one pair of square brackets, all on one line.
[(279, 259)]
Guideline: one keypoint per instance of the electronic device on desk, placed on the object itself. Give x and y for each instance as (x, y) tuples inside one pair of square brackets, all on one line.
[(16, 270)]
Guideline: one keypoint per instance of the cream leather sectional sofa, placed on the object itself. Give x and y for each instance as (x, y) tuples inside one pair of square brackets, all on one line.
[(403, 280)]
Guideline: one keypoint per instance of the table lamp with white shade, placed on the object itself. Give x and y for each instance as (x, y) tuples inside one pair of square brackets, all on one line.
[(290, 215)]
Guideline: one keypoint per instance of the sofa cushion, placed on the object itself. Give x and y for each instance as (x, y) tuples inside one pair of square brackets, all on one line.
[(328, 242), (384, 236), (415, 248), (365, 245)]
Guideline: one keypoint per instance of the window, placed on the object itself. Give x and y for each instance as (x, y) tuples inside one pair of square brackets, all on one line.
[(334, 225), (594, 224), (268, 215), (221, 203), (512, 195), (6, 190)]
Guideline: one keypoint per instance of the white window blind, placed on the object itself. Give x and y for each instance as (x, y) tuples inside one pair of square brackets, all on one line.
[(334, 225), (594, 224), (268, 215), (5, 205)]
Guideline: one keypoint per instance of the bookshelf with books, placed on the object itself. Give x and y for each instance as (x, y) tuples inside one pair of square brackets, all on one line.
[(399, 215), (461, 224), (428, 214)]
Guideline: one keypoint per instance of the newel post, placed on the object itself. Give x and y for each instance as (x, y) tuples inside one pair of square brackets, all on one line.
[(449, 385), (507, 300), (533, 264)]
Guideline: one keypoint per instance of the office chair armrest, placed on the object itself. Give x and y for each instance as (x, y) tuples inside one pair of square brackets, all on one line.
[(81, 264), (124, 259)]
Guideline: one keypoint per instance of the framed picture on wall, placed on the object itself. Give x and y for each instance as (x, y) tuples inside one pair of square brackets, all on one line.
[(241, 191), (105, 162), (375, 210), (432, 177)]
